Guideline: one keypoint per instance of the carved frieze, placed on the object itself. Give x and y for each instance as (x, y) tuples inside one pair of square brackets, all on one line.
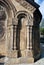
[(27, 5)]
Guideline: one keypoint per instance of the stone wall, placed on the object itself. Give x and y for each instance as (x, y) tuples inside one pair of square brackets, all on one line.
[(21, 30)]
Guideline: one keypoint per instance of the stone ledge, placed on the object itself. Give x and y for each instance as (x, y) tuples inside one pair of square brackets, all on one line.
[(12, 61), (39, 62)]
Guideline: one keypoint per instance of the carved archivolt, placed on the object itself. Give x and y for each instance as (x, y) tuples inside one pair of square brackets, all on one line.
[(10, 8), (2, 22), (7, 13), (23, 14), (8, 4)]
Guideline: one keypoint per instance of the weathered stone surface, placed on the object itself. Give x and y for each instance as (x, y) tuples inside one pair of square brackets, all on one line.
[(21, 60), (26, 5), (27, 53), (12, 54), (20, 43)]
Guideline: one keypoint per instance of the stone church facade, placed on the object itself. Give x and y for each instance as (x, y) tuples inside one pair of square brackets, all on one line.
[(19, 30)]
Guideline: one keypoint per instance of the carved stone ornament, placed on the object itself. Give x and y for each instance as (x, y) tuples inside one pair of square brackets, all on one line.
[(25, 15), (2, 22)]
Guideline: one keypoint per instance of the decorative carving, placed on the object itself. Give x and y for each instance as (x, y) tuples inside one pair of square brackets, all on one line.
[(8, 5), (22, 20), (2, 13), (2, 23), (27, 5), (23, 14), (1, 31)]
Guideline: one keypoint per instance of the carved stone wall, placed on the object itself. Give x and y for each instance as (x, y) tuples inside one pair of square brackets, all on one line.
[(19, 32), (27, 5), (2, 29), (6, 16)]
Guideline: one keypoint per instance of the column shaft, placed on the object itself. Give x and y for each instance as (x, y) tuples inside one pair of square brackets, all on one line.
[(11, 37), (14, 37), (27, 37), (30, 38)]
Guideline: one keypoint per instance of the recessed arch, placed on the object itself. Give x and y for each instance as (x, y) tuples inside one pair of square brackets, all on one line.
[(22, 24), (8, 11), (8, 5), (23, 14)]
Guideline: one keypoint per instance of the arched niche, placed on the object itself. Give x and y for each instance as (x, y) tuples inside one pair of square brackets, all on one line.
[(9, 8), (7, 13), (23, 22), (23, 14), (3, 17), (21, 40)]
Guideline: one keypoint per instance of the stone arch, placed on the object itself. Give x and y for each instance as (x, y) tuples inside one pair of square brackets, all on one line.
[(10, 9), (8, 4), (2, 22), (23, 14)]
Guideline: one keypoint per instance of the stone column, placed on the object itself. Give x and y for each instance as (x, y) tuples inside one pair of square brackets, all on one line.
[(11, 40), (27, 37), (30, 44), (29, 41), (10, 37), (14, 37)]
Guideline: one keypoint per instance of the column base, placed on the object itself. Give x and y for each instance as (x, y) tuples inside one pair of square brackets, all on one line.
[(12, 54), (29, 53), (26, 53)]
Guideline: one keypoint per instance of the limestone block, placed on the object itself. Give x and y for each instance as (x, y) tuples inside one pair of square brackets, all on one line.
[(29, 53), (12, 54), (21, 60), (26, 60), (30, 60), (12, 61), (26, 53), (23, 53)]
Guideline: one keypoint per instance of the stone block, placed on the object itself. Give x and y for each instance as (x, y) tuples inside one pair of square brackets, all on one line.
[(29, 53), (30, 60), (26, 60), (12, 54), (26, 53), (21, 60), (12, 61), (23, 53)]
